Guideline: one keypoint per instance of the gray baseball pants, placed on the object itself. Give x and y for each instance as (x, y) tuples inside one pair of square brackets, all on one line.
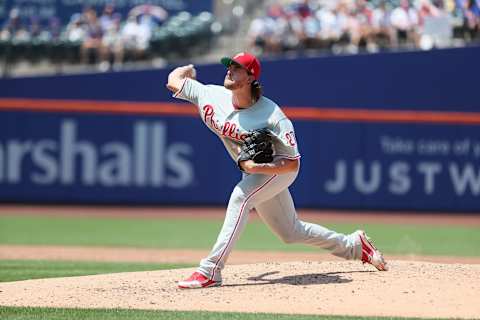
[(269, 195)]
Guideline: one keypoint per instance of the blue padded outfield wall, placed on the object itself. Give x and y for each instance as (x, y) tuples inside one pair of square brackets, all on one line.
[(386, 131)]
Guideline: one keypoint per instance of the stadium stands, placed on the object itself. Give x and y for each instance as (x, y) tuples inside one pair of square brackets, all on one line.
[(266, 27), (350, 26), (182, 34)]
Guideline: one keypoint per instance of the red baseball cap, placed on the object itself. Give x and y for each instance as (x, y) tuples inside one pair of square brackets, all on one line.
[(246, 60)]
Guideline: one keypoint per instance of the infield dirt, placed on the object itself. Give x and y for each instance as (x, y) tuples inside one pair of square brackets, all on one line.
[(409, 289)]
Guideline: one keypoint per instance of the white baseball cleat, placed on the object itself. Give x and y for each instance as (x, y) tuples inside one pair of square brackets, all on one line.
[(370, 254), (198, 280)]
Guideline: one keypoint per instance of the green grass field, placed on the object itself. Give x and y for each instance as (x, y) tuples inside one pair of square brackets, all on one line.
[(11, 313), (196, 234), (201, 234), (15, 270)]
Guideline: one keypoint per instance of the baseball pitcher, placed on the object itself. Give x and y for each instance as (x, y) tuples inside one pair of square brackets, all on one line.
[(261, 141)]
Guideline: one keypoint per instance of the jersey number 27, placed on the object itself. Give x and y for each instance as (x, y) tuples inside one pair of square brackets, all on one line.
[(290, 136)]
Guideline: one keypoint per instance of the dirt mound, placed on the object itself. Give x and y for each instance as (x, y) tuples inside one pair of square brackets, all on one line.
[(409, 289)]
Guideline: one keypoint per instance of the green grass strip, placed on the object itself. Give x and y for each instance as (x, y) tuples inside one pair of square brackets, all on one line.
[(15, 270), (201, 234), (14, 313)]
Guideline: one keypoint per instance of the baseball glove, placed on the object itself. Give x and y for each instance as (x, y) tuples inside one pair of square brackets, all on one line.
[(257, 146)]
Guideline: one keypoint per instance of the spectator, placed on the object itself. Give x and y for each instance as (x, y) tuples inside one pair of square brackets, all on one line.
[(295, 28), (157, 13), (381, 25), (471, 20), (256, 35), (359, 27), (112, 46), (76, 30), (365, 18), (135, 37), (289, 32), (92, 43), (405, 21), (108, 17), (278, 30), (311, 32), (269, 34), (342, 25), (329, 33), (304, 10), (13, 28)]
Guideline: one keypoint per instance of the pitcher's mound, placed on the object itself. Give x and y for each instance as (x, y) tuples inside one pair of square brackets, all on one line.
[(409, 289)]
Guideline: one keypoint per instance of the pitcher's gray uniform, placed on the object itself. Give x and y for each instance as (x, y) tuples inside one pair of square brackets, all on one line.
[(268, 194)]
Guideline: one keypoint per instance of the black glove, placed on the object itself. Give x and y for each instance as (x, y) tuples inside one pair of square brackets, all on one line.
[(257, 147)]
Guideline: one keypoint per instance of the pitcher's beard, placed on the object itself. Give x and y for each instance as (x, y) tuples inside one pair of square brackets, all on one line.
[(230, 84)]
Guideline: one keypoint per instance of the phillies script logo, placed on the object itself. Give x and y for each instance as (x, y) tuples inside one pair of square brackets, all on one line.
[(228, 129)]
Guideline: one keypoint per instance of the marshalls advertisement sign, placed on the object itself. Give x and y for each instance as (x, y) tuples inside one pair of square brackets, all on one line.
[(387, 131)]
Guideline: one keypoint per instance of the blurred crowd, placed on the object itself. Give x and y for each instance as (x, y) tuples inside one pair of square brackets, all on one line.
[(105, 39), (370, 25), (17, 29)]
